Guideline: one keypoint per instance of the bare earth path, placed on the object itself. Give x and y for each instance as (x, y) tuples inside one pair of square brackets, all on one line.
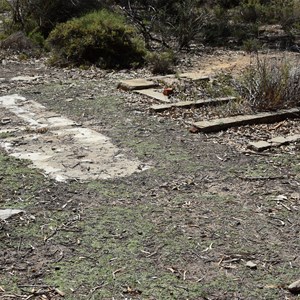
[(208, 220)]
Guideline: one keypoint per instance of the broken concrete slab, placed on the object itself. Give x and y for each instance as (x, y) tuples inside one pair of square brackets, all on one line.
[(9, 212), (76, 153), (277, 141), (188, 104), (154, 94), (136, 84), (266, 117), (33, 113), (292, 138), (274, 142), (63, 151), (259, 146), (25, 78)]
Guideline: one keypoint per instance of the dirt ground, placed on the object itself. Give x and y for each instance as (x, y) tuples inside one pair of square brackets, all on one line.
[(209, 220)]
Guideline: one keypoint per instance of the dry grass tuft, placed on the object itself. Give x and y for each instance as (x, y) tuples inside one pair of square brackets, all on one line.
[(271, 84)]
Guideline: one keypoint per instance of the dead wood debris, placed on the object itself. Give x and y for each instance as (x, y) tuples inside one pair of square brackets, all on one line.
[(35, 292)]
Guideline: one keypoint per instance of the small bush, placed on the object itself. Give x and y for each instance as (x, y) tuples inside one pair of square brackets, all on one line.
[(161, 63), (188, 23), (251, 45), (252, 11), (4, 6), (102, 38), (37, 38), (271, 84)]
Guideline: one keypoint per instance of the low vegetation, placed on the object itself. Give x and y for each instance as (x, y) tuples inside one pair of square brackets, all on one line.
[(161, 63), (271, 84), (102, 38), (163, 25)]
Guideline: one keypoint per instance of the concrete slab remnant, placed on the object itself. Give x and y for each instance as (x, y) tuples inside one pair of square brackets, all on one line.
[(136, 84), (260, 118), (259, 146), (33, 113), (64, 151), (293, 138), (274, 142), (25, 78), (279, 140), (154, 94)]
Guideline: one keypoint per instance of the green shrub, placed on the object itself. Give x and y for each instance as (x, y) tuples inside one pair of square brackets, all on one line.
[(188, 22), (102, 38), (4, 6), (161, 63), (37, 38), (251, 45), (271, 84), (284, 12), (252, 11)]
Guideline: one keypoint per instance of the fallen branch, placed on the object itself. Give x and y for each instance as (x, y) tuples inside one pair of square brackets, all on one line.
[(262, 178)]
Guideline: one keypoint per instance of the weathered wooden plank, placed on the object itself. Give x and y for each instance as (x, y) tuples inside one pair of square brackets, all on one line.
[(195, 76), (265, 117), (154, 94), (136, 84), (188, 104)]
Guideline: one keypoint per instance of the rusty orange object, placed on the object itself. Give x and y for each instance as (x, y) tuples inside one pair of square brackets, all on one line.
[(167, 91)]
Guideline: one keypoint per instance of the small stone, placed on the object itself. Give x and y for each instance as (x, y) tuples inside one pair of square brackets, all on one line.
[(295, 196), (294, 287), (193, 129), (168, 91), (251, 265), (280, 198), (7, 213)]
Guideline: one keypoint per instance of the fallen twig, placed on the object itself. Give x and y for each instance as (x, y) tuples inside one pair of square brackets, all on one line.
[(262, 178), (117, 271)]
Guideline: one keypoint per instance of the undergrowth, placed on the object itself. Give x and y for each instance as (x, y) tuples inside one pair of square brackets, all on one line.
[(270, 84), (102, 38)]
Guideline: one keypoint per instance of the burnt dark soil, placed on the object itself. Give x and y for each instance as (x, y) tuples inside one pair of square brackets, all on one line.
[(184, 229)]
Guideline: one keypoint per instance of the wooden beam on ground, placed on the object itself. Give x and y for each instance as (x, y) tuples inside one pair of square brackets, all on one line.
[(154, 94), (260, 118), (195, 76), (189, 104), (136, 84)]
